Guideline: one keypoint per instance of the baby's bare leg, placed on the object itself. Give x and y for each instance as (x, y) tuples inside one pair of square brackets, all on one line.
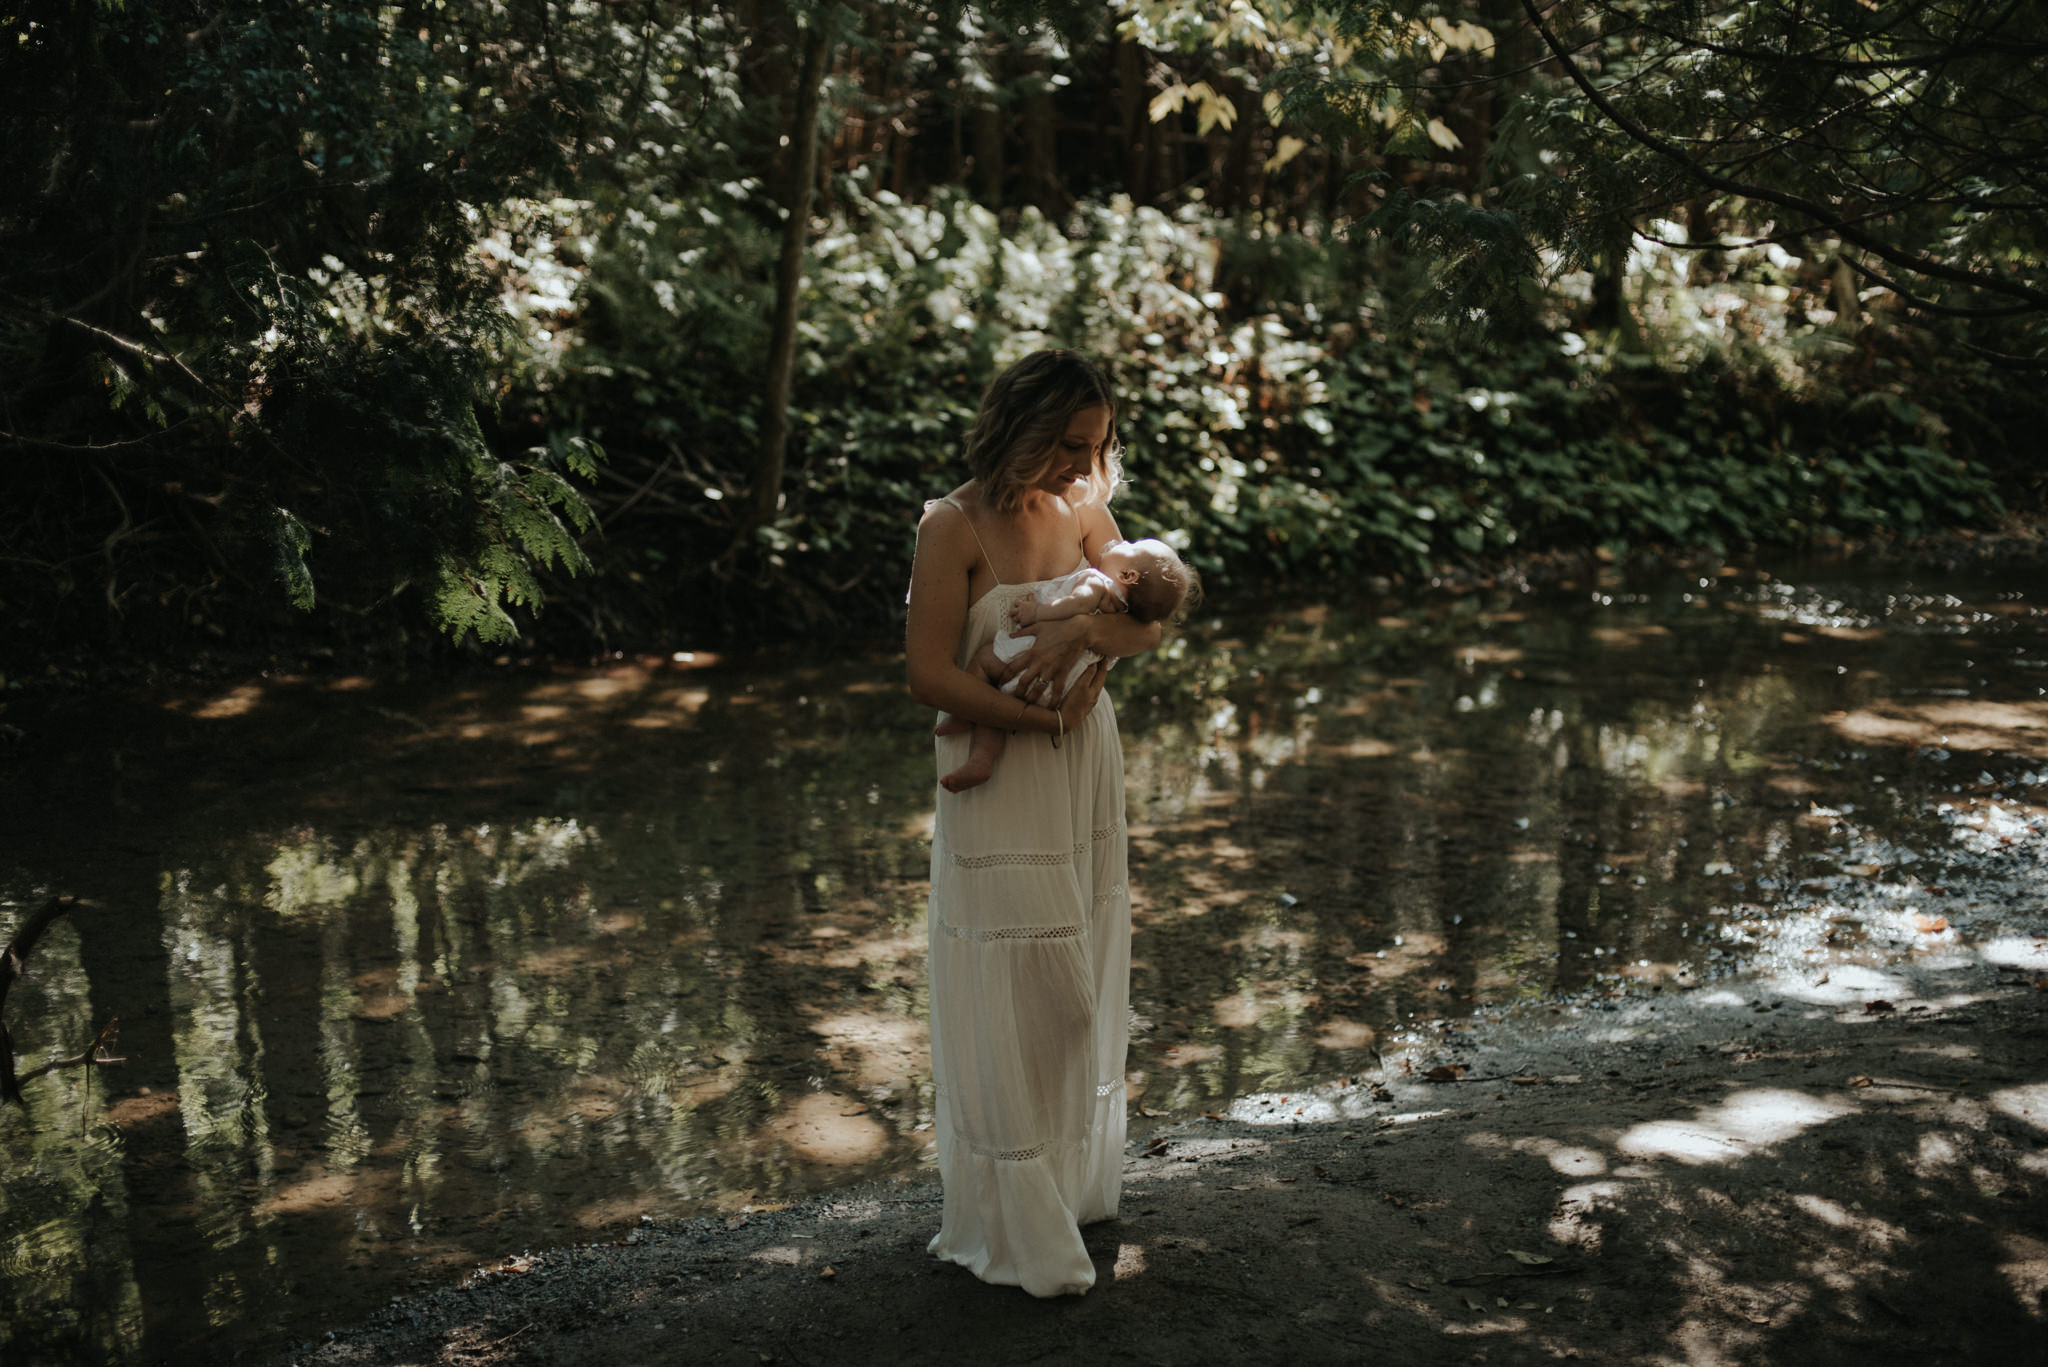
[(989, 666), (981, 760)]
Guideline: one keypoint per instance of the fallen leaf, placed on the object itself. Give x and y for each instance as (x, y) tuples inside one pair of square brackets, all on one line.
[(1148, 1113), (1567, 1077), (1527, 1081), (1212, 1115), (771, 1208), (1861, 1082), (1474, 1305), (827, 1274), (1863, 870), (1878, 1008), (1420, 1286), (1446, 1072), (1528, 1259), (1322, 1171), (1931, 925), (736, 1222), (1240, 1188)]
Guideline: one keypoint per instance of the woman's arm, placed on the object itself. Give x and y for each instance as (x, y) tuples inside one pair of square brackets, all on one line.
[(946, 552)]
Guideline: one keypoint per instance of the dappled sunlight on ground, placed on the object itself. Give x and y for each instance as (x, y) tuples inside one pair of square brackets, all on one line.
[(2018, 727), (828, 1128), (2028, 1104), (2025, 1269)]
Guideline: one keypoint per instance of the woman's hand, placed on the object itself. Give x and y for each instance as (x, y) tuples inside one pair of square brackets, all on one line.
[(1082, 697), (1055, 649)]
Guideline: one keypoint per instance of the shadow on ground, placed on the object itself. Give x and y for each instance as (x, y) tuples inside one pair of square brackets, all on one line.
[(1798, 1188)]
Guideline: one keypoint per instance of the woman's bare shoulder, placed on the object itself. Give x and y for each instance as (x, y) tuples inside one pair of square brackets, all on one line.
[(949, 510), (1098, 526)]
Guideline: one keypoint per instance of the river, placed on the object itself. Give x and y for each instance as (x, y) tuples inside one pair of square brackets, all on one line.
[(413, 974)]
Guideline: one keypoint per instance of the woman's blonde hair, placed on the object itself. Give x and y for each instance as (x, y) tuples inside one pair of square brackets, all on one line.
[(1024, 414)]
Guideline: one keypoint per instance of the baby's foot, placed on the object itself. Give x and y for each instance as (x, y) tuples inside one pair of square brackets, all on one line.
[(972, 774), (952, 726)]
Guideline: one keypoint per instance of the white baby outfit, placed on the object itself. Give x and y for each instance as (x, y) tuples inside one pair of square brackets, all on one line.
[(1008, 647)]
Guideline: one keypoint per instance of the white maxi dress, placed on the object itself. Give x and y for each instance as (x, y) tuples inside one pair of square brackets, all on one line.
[(1030, 933)]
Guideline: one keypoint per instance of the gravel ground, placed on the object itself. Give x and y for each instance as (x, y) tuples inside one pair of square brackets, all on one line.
[(1743, 1173)]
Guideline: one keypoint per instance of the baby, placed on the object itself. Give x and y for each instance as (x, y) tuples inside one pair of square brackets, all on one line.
[(1143, 578)]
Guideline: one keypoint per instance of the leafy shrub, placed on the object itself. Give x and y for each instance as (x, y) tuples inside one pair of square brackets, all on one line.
[(1272, 440)]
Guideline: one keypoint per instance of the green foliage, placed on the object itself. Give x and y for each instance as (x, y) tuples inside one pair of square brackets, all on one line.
[(1907, 140), (1276, 440), (277, 339), (427, 315)]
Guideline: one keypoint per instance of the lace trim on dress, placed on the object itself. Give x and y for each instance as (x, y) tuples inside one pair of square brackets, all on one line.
[(1102, 897), (1040, 857), (989, 861), (1009, 1155), (1011, 932), (1110, 1088)]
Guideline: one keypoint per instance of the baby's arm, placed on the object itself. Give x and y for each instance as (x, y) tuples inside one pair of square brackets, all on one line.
[(1093, 594)]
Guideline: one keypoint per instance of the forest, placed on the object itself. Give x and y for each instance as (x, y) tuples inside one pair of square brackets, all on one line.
[(1590, 852), (436, 325)]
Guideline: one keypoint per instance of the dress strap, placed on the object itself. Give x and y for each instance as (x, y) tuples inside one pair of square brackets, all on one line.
[(976, 535)]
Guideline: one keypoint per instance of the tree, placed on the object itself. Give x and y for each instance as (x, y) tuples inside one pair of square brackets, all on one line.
[(245, 331), (1910, 137), (816, 47)]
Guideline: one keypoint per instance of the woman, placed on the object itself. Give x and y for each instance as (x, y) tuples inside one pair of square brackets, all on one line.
[(1029, 918)]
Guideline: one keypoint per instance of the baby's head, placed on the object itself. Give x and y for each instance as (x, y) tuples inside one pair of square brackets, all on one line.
[(1155, 581)]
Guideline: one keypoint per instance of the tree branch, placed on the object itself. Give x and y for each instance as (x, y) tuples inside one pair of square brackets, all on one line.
[(89, 448), (11, 961), (89, 1057), (1820, 214)]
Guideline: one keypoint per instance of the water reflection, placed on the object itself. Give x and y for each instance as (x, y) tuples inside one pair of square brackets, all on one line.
[(415, 977)]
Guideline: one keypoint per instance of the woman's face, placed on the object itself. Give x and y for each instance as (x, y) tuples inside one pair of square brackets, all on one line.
[(1075, 453)]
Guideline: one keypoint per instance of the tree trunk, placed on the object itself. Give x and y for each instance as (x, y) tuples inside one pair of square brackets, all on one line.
[(1134, 123), (1041, 178), (985, 122), (803, 175)]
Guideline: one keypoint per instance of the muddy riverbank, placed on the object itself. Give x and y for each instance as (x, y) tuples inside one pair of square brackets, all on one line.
[(1701, 1177)]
